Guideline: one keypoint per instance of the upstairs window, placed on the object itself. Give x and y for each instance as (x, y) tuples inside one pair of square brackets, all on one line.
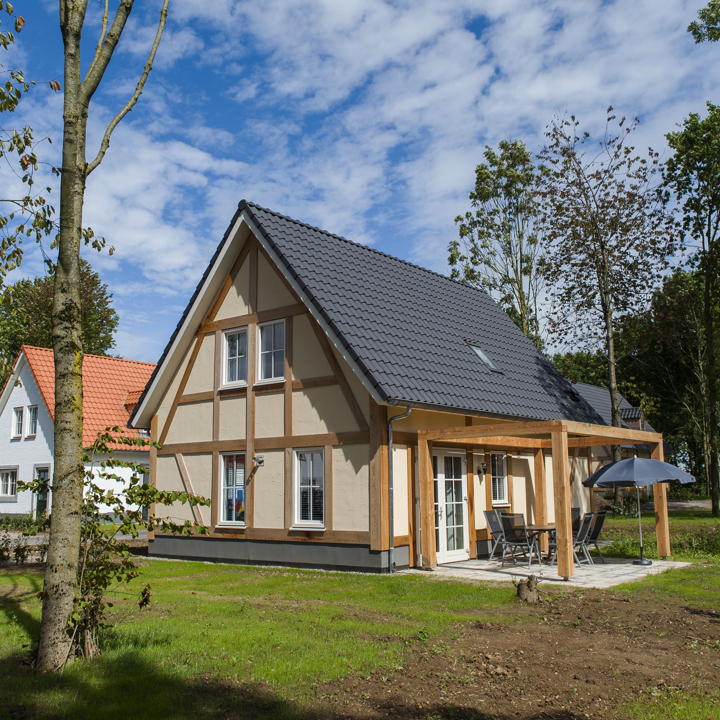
[(236, 357), (32, 421), (18, 424), (8, 483), (499, 478), (271, 357)]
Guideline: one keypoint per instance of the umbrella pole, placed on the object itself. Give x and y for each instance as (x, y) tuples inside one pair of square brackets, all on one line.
[(642, 560)]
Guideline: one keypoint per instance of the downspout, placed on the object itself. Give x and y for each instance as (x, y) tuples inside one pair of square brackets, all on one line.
[(391, 553)]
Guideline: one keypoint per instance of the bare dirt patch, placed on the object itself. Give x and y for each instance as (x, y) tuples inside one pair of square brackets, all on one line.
[(580, 656)]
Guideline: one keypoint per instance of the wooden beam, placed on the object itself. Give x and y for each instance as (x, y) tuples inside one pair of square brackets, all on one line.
[(427, 510), (540, 496), (215, 494), (189, 398), (289, 488), (385, 479), (662, 523), (288, 376), (279, 313), (488, 480), (411, 502), (470, 478), (617, 435), (563, 513), (375, 436), (217, 381), (188, 486), (181, 388), (323, 381), (504, 430), (329, 502), (510, 481), (573, 468), (503, 443), (154, 423)]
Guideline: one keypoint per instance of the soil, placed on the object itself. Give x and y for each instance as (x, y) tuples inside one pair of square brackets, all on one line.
[(578, 656)]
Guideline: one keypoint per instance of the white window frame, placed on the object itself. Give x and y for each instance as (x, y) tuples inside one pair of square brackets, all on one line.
[(315, 524), (221, 491), (258, 354), (225, 381), (503, 478), (18, 420), (32, 432), (8, 496)]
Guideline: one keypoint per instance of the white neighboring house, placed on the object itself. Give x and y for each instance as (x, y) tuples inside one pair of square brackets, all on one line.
[(111, 387)]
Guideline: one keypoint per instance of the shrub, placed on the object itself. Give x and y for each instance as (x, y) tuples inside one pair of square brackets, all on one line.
[(21, 550), (4, 548)]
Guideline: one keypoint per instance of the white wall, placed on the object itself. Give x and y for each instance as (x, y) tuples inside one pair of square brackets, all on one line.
[(26, 453)]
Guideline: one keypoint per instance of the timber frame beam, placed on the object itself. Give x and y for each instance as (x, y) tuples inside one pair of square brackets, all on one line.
[(557, 436)]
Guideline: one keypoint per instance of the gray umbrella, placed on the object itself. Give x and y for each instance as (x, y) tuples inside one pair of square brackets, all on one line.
[(637, 472)]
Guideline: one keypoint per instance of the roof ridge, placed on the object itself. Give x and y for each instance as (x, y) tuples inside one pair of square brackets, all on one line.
[(92, 355), (366, 247)]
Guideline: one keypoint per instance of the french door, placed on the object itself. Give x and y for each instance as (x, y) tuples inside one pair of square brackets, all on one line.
[(452, 542)]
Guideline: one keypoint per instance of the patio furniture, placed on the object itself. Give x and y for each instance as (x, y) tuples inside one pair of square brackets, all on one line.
[(538, 530), (595, 533), (518, 539), (579, 541), (496, 531), (575, 514)]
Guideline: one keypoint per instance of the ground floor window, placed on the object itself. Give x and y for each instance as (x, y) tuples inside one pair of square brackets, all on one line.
[(41, 499), (310, 487), (233, 488), (8, 483), (499, 478)]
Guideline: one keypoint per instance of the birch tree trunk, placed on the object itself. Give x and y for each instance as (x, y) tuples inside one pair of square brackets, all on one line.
[(63, 553)]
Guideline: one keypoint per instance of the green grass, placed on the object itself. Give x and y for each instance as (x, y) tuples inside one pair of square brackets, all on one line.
[(272, 633), (664, 704)]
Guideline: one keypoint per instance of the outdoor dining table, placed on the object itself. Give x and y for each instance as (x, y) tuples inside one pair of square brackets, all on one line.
[(540, 530)]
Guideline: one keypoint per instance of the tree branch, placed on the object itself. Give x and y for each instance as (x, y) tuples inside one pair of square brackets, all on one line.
[(105, 144), (104, 53), (104, 29)]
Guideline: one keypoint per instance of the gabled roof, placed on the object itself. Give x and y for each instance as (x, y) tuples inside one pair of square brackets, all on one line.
[(599, 398), (405, 330), (106, 384)]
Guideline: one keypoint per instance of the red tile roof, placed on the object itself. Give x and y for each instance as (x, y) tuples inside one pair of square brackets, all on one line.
[(109, 384)]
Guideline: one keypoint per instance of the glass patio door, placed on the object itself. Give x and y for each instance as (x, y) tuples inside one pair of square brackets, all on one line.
[(451, 517)]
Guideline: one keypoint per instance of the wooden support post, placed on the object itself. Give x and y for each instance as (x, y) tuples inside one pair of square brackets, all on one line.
[(154, 425), (471, 502), (376, 498), (563, 512), (411, 504), (427, 510), (329, 498), (541, 496), (510, 482), (488, 482), (662, 524)]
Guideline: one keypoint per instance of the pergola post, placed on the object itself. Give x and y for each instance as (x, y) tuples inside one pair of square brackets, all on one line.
[(540, 496), (427, 510), (662, 524), (563, 511)]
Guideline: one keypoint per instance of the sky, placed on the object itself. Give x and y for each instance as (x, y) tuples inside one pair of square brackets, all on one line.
[(366, 118)]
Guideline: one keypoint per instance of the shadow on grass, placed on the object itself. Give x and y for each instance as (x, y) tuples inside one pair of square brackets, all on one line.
[(126, 686), (10, 603)]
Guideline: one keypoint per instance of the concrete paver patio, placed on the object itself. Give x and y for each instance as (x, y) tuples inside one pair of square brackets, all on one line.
[(615, 571)]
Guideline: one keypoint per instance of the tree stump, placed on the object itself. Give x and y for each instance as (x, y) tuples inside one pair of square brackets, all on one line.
[(527, 590)]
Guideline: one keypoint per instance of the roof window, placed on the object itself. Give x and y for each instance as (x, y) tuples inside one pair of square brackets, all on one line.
[(484, 357)]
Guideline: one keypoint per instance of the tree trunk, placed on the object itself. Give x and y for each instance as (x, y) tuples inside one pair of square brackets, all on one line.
[(708, 297), (613, 388), (62, 564)]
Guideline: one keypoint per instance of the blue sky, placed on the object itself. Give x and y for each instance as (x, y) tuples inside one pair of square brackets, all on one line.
[(364, 117)]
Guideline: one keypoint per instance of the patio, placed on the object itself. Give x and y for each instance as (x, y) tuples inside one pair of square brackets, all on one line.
[(615, 571)]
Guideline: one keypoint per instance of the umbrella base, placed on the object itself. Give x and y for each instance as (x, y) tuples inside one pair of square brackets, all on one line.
[(642, 562)]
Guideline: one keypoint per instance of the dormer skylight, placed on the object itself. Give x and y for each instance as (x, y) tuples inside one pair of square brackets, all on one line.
[(484, 357)]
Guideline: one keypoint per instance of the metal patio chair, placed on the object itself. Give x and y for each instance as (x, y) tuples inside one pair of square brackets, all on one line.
[(517, 539), (594, 535), (579, 541), (496, 530)]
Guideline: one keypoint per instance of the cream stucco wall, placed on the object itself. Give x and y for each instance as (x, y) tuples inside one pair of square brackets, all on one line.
[(479, 488), (308, 357), (358, 389), (236, 301), (167, 401), (169, 478), (269, 498), (321, 410), (233, 418), (199, 467), (270, 415), (202, 374), (400, 489), (351, 488), (193, 422), (272, 292)]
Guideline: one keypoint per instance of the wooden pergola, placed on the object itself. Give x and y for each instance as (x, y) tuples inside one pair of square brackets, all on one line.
[(556, 436)]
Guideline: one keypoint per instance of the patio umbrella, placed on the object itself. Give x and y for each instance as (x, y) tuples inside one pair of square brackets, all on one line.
[(637, 472)]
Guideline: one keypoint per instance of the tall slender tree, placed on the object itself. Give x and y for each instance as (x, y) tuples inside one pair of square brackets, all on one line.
[(62, 561), (609, 236), (693, 173), (499, 247)]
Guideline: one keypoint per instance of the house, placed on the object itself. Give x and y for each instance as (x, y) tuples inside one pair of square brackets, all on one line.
[(111, 386), (276, 394)]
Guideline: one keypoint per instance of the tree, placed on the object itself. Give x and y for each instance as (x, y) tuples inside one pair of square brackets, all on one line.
[(583, 366), (499, 247), (708, 28), (26, 318), (61, 574), (693, 173), (608, 237)]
